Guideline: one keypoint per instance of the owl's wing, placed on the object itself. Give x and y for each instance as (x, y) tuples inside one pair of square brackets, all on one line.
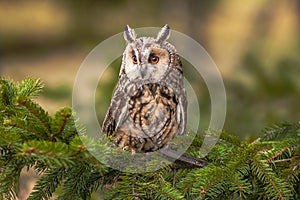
[(115, 112), (182, 112)]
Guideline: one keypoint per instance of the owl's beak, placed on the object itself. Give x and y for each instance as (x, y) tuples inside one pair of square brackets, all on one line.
[(143, 71)]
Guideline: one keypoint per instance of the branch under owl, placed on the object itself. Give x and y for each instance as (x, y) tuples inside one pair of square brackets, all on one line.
[(183, 160)]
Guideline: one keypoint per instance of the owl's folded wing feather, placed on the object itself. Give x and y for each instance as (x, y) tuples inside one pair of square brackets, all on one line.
[(182, 113), (109, 123), (113, 115)]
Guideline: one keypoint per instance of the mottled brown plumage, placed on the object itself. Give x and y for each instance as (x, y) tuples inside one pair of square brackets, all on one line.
[(148, 107)]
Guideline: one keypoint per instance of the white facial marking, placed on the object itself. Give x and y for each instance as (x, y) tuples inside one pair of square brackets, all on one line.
[(144, 69)]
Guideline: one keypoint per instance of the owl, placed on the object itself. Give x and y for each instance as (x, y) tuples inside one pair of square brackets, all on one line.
[(149, 104)]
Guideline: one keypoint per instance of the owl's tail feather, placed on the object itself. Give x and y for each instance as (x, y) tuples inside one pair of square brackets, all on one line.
[(183, 160)]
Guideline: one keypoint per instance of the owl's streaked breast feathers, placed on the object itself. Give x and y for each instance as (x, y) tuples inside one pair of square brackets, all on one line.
[(149, 104)]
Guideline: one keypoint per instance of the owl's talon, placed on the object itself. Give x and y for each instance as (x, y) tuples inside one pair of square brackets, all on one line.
[(128, 148), (125, 148), (132, 151)]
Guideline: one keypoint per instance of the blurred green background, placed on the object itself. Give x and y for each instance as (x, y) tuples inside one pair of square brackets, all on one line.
[(255, 44)]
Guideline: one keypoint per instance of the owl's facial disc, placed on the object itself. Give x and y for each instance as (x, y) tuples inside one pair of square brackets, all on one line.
[(148, 63)]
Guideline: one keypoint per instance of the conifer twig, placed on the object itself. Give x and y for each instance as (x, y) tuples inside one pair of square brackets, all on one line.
[(294, 169), (183, 160)]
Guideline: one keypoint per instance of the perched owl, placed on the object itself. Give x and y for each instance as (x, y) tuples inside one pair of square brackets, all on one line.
[(149, 105)]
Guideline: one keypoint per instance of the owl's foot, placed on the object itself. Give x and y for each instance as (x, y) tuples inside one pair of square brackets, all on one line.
[(128, 148)]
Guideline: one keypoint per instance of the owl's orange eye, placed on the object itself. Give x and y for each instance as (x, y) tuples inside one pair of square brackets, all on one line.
[(153, 59), (134, 59)]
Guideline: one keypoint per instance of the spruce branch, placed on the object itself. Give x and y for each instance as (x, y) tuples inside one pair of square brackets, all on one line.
[(29, 87), (26, 129), (47, 184), (268, 168), (287, 149), (63, 126), (8, 93), (36, 111), (273, 184), (293, 171), (281, 131)]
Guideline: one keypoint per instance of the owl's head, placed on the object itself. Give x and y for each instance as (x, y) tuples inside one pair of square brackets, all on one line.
[(148, 58)]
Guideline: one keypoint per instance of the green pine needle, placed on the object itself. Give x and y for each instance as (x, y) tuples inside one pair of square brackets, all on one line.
[(267, 168)]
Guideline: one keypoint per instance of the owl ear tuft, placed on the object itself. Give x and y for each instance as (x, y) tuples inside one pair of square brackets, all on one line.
[(129, 34), (163, 34)]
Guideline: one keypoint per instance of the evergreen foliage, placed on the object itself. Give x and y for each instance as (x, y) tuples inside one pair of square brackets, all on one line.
[(267, 168)]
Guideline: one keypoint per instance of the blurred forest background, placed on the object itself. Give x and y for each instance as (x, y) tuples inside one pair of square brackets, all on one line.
[(256, 46)]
